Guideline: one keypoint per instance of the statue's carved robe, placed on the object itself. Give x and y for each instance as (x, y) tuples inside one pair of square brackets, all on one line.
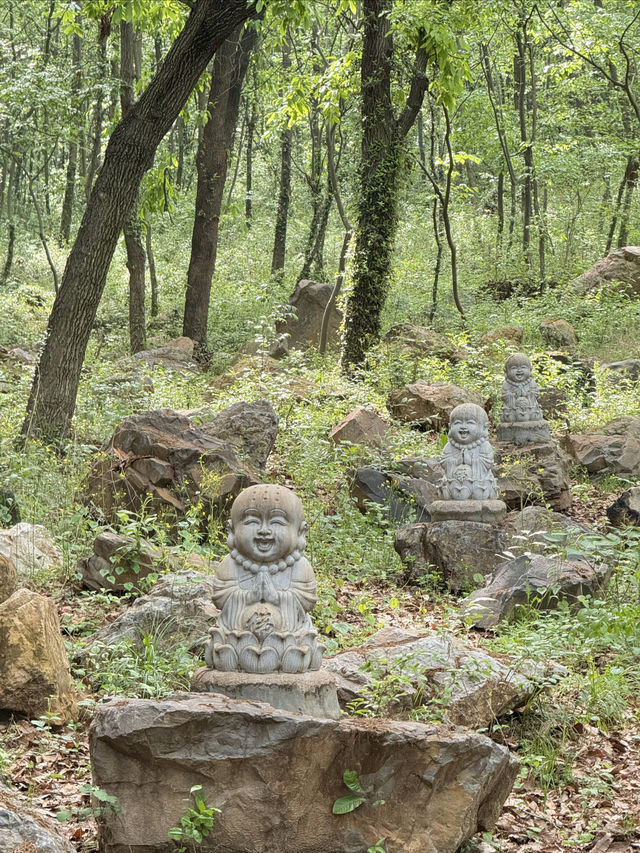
[(520, 401), (292, 592)]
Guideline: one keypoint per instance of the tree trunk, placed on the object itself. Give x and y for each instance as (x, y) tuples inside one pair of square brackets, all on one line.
[(630, 180), (6, 272), (284, 194), (132, 230), (98, 111), (129, 154), (72, 163), (382, 136), (229, 69), (250, 107), (153, 278)]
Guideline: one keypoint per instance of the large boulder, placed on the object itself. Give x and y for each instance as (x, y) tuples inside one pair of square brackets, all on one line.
[(250, 428), (179, 609), (275, 777), (621, 265), (31, 548), (24, 829), (506, 334), (8, 577), (161, 459), (423, 341), (119, 563), (361, 426), (532, 474), (536, 529), (402, 498), (626, 508), (558, 333), (454, 551), (33, 660), (175, 355), (615, 450), (428, 405), (622, 372), (537, 581), (306, 310), (436, 673)]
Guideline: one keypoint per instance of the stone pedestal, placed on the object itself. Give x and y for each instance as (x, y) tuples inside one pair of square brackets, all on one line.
[(310, 693), (523, 432), (487, 512)]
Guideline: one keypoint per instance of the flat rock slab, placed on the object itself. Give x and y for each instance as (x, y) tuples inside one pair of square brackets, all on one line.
[(465, 685), (402, 498), (427, 406), (311, 693), (605, 454), (486, 512), (275, 777), (536, 581)]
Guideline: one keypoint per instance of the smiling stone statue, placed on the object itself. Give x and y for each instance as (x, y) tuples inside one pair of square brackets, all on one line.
[(522, 420), (265, 589)]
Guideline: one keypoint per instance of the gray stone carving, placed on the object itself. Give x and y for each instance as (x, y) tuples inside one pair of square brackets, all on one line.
[(522, 418), (468, 489), (265, 589)]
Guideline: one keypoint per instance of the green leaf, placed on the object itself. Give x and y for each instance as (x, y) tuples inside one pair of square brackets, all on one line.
[(352, 781), (344, 805)]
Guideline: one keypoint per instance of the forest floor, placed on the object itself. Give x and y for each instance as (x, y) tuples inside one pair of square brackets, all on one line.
[(594, 807)]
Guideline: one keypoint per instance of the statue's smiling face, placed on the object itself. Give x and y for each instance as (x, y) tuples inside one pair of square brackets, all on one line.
[(519, 372), (265, 534), (465, 429)]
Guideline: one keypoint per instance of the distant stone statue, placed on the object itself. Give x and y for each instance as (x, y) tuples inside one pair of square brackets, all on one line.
[(522, 420), (468, 457), (468, 490), (265, 589)]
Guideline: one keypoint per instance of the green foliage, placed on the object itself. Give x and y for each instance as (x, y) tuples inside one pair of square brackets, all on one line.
[(356, 797), (196, 824), (102, 805), (148, 668)]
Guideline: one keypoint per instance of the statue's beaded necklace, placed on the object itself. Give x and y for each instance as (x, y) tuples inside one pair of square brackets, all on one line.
[(250, 566)]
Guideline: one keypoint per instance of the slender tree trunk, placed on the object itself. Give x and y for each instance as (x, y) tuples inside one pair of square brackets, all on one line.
[(132, 228), (250, 113), (284, 195), (129, 154), (72, 163), (6, 272), (229, 68), (98, 113), (520, 80), (630, 180), (153, 278)]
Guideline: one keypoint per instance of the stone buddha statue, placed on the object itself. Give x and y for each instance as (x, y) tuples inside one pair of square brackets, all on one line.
[(265, 588), (519, 391), (522, 421), (467, 458)]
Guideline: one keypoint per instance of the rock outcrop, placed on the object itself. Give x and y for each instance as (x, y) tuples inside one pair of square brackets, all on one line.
[(621, 265), (306, 310), (275, 776), (428, 405), (33, 659)]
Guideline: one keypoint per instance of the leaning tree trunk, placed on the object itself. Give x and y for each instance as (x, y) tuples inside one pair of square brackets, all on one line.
[(284, 195), (382, 139), (229, 69), (129, 154), (72, 163)]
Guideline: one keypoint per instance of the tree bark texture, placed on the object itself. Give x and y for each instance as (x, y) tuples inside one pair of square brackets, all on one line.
[(129, 154), (229, 69), (382, 137)]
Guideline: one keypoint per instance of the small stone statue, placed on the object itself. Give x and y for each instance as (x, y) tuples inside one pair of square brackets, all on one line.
[(522, 419), (519, 391), (468, 457), (265, 589)]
